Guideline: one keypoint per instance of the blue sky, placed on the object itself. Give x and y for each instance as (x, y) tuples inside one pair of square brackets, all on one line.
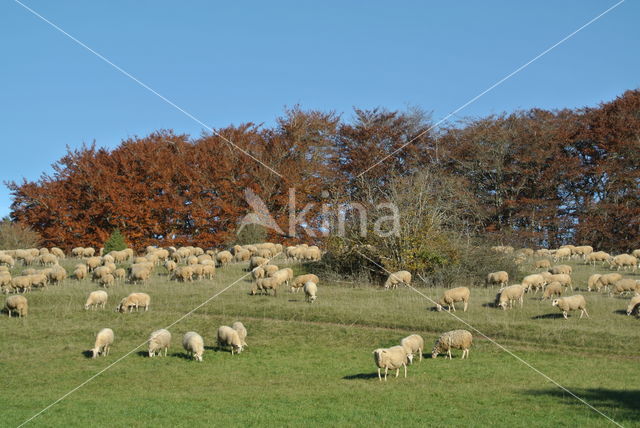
[(233, 63)]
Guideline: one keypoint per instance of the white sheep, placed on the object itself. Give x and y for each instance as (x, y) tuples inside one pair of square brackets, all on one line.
[(625, 285), (455, 339), (134, 300), (300, 280), (509, 295), (96, 298), (634, 303), (392, 358), (159, 340), (400, 277), (229, 337), (310, 290), (17, 304), (450, 297), (241, 330), (413, 344), (592, 282), (553, 289), (193, 344), (536, 280), (561, 269), (571, 303), (104, 340), (501, 278)]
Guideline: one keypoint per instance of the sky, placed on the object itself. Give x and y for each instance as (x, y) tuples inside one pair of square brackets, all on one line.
[(236, 62)]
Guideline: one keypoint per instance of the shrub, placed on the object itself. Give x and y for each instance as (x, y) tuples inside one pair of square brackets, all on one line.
[(115, 242), (14, 235)]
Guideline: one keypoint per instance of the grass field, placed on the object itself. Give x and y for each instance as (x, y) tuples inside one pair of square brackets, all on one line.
[(312, 364)]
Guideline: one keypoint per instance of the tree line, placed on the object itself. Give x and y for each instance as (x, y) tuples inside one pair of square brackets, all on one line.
[(527, 178)]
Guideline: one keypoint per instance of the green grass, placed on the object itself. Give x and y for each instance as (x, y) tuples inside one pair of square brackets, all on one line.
[(312, 364)]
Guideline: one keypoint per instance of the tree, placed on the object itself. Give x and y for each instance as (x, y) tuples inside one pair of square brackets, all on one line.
[(116, 242), (14, 235)]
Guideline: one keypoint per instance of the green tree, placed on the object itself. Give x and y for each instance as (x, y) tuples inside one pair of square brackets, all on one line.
[(116, 242)]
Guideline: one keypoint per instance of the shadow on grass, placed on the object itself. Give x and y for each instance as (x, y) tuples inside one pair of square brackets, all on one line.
[(490, 305), (87, 354), (547, 316), (143, 354), (620, 312), (614, 403), (182, 355), (361, 376)]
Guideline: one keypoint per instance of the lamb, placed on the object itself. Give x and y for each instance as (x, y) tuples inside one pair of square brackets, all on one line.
[(448, 299), (501, 278), (159, 340), (229, 337), (625, 285), (134, 300), (392, 358), (553, 289), (510, 294), (413, 344), (310, 290), (593, 281), (241, 330), (17, 304), (542, 264), (571, 303), (561, 269), (634, 304), (300, 280), (400, 277), (455, 339), (104, 340), (193, 344), (96, 298)]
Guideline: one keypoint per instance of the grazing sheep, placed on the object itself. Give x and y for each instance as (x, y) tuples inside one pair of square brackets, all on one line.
[(57, 252), (583, 250), (159, 340), (193, 344), (455, 339), (300, 280), (93, 262), (257, 272), (270, 270), (208, 271), (561, 269), (400, 277), (571, 303), (229, 337), (501, 278), (458, 294), (96, 298), (310, 290), (598, 256), (624, 261), (542, 264), (562, 278), (17, 304), (537, 281), (184, 273), (106, 280), (80, 273), (510, 294), (139, 273), (413, 344), (553, 289), (392, 358), (39, 279), (593, 281), (266, 284), (224, 258), (241, 330), (88, 252), (134, 300), (562, 253), (104, 340), (119, 274), (606, 280), (21, 283), (255, 261), (634, 304), (6, 259), (624, 285)]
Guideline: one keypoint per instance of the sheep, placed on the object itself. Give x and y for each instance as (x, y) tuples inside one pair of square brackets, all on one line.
[(257, 261), (57, 252), (93, 262), (7, 260), (561, 269), (21, 283), (134, 300), (140, 272), (159, 340), (606, 280), (80, 273), (223, 258), (634, 304), (119, 274), (553, 289), (310, 290), (39, 279), (598, 256), (208, 271), (241, 330), (193, 344), (57, 274), (542, 264), (501, 278), (48, 260), (571, 303), (510, 294), (311, 254), (104, 340), (284, 276), (96, 298), (229, 337), (592, 281), (455, 339), (106, 280), (536, 281), (392, 358), (269, 270), (184, 273), (624, 285), (300, 280), (17, 304), (265, 284), (563, 279), (400, 277), (5, 280), (562, 253), (257, 273), (448, 299), (584, 251), (413, 344), (624, 261), (242, 255), (88, 252)]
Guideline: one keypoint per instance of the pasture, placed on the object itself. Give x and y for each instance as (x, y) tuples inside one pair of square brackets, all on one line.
[(311, 364)]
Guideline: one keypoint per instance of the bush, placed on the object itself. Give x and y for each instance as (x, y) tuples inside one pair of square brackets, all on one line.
[(14, 235), (251, 234), (116, 242)]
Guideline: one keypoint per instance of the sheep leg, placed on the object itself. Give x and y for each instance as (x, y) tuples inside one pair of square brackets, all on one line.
[(453, 305), (420, 350), (564, 314), (405, 370), (585, 312), (466, 304), (386, 370), (379, 376), (449, 354)]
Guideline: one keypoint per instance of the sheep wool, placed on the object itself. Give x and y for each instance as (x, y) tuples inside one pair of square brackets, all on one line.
[(413, 344), (17, 304), (159, 340), (95, 299), (391, 358), (193, 343), (571, 303), (104, 340), (229, 337), (450, 297), (455, 339)]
